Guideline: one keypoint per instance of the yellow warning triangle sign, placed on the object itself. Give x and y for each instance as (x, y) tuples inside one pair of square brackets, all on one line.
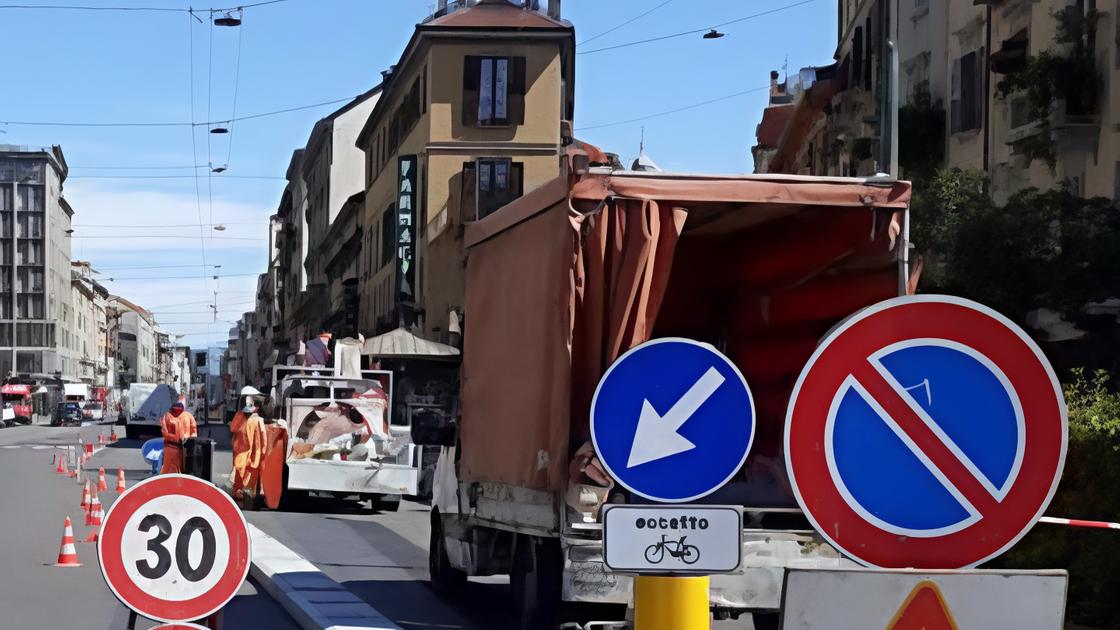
[(924, 609)]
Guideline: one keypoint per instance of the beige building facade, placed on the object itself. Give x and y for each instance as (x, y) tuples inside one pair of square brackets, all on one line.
[(469, 119)]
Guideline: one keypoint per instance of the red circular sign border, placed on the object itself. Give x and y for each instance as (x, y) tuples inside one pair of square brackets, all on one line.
[(927, 316), (173, 611)]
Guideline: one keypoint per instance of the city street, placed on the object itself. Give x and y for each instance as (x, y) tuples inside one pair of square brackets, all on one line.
[(380, 557), (36, 501)]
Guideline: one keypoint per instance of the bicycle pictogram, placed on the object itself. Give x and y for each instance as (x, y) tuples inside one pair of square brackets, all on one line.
[(687, 554)]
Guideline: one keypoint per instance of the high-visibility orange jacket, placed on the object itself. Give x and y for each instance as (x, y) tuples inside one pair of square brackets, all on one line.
[(248, 437), (176, 429)]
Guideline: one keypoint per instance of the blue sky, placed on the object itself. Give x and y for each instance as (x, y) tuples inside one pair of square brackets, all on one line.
[(102, 66)]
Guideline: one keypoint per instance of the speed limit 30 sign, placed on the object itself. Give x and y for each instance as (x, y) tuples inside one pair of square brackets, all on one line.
[(174, 548)]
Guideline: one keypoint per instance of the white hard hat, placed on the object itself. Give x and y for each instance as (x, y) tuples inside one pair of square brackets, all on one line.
[(249, 390)]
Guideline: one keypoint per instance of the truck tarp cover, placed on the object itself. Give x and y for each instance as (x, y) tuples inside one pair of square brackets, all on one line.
[(565, 279)]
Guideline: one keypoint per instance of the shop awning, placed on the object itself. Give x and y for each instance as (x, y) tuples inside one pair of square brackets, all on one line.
[(400, 344)]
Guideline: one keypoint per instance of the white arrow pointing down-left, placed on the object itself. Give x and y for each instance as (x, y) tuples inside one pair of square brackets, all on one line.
[(656, 436)]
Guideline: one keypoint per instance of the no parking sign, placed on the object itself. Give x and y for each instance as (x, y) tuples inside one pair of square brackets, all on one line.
[(925, 432)]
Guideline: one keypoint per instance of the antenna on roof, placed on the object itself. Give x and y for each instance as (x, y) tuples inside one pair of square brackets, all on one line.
[(642, 140), (785, 69)]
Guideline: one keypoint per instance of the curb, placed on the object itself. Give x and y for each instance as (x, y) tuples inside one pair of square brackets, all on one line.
[(315, 601)]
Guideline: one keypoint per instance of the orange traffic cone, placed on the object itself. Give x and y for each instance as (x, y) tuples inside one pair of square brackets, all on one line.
[(85, 496), (113, 435), (61, 467), (120, 479), (89, 508), (101, 485), (95, 513), (67, 553)]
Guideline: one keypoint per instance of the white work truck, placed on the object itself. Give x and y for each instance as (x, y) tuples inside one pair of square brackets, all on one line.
[(343, 441), (145, 406)]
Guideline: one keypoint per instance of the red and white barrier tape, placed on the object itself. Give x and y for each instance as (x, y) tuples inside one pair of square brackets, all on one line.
[(1073, 522)]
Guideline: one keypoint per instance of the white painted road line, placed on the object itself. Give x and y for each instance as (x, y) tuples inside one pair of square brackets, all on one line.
[(314, 600)]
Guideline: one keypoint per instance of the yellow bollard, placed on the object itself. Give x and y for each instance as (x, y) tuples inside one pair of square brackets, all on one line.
[(671, 603)]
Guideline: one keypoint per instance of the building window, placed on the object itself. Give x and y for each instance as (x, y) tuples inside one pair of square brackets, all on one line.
[(966, 107), (388, 234), (493, 91), (499, 182)]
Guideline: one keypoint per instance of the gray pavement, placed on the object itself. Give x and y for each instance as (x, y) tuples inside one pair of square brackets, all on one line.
[(380, 557), (35, 502)]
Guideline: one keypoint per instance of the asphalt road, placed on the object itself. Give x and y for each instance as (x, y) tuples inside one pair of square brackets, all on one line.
[(35, 501), (381, 557)]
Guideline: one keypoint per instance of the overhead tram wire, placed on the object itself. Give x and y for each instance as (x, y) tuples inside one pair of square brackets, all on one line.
[(675, 110), (697, 30), (194, 154), (36, 123), (75, 7), (209, 99), (172, 176), (236, 84), (620, 25)]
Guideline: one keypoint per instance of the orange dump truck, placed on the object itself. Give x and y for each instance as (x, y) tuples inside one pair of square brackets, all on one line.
[(567, 278)]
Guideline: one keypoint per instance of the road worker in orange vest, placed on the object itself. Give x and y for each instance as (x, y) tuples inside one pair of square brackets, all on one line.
[(177, 425), (247, 433)]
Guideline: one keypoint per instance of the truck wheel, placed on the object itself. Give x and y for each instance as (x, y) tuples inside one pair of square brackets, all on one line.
[(444, 577), (534, 580), (385, 503), (765, 621)]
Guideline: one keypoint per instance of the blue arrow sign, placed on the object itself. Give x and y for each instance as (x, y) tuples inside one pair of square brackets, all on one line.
[(672, 420)]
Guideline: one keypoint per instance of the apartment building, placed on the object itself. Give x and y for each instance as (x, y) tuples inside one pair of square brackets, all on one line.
[(136, 351), (1080, 130), (965, 62), (85, 355), (469, 119), (34, 260)]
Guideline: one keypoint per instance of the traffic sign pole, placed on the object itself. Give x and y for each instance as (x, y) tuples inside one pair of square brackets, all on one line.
[(672, 421), (671, 603)]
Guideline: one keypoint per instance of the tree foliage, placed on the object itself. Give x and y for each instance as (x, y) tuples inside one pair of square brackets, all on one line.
[(1048, 249), (1088, 490)]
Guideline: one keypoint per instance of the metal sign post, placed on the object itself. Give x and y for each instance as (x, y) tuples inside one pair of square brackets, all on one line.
[(672, 421)]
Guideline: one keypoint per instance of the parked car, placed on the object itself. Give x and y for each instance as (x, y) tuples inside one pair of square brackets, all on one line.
[(94, 411), (68, 414)]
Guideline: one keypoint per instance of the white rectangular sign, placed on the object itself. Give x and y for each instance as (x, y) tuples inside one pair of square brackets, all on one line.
[(672, 538), (873, 599)]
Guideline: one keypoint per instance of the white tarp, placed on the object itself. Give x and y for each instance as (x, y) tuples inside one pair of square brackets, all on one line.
[(869, 599)]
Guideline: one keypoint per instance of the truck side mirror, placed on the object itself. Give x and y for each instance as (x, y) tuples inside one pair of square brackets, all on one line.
[(432, 429)]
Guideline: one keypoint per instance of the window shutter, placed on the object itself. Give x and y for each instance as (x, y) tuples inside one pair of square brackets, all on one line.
[(955, 97), (470, 90), (517, 91), (980, 94)]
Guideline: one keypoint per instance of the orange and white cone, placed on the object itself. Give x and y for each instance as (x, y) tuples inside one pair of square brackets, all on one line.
[(67, 552), (95, 512), (120, 479), (101, 485), (61, 467), (89, 509), (85, 496), (112, 435)]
